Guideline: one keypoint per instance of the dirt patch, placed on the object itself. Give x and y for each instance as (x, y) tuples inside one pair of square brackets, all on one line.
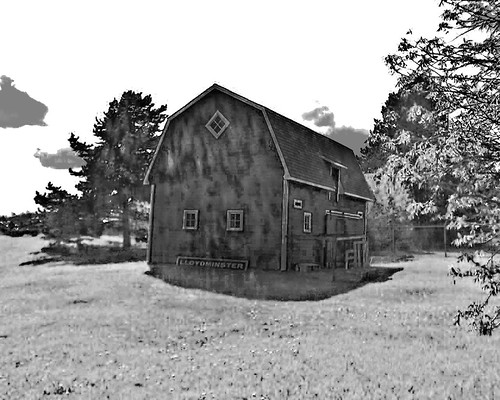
[(272, 285)]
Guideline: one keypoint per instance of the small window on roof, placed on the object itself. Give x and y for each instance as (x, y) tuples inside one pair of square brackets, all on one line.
[(217, 124)]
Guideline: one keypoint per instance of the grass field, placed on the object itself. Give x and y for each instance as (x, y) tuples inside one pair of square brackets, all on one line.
[(111, 331)]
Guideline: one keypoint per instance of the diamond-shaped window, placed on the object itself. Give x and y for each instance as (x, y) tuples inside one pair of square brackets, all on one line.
[(217, 124)]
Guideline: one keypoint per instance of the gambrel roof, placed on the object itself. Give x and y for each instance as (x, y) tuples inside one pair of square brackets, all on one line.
[(306, 155)]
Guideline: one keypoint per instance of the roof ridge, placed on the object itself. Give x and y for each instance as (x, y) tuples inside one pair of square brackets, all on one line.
[(217, 86)]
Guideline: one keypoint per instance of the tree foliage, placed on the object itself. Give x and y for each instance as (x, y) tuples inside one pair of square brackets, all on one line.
[(392, 199), (407, 115), (112, 177), (392, 206), (26, 223), (61, 213), (461, 68)]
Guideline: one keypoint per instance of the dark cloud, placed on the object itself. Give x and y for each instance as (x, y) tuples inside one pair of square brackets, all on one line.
[(346, 135), (18, 108), (62, 159), (321, 117), (351, 137)]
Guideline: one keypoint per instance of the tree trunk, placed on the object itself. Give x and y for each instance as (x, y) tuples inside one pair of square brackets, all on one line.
[(126, 225), (393, 231)]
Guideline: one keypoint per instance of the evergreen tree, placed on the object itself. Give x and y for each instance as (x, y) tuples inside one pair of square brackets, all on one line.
[(60, 211), (112, 178)]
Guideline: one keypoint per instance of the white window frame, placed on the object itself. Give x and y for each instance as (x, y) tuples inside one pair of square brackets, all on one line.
[(211, 130), (352, 215), (228, 220), (307, 228), (196, 220), (342, 214), (297, 204)]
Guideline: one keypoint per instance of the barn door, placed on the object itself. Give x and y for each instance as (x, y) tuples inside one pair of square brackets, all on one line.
[(330, 253)]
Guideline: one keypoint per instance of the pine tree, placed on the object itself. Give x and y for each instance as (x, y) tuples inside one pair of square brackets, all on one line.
[(60, 211), (112, 178)]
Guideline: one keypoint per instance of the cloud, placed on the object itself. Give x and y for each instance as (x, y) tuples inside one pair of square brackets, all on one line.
[(321, 117), (347, 135), (18, 108), (351, 137), (62, 159)]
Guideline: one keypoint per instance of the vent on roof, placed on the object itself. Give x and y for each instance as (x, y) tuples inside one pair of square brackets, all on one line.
[(217, 124)]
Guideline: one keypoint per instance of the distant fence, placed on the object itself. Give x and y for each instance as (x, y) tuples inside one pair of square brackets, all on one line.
[(397, 239), (384, 239)]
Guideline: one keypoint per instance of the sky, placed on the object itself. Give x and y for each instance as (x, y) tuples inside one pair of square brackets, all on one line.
[(297, 58)]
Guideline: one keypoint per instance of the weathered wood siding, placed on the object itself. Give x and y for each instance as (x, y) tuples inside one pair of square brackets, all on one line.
[(310, 247), (239, 170)]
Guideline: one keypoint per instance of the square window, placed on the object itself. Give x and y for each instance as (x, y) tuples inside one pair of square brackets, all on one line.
[(234, 220), (297, 204), (307, 222), (217, 124), (190, 220)]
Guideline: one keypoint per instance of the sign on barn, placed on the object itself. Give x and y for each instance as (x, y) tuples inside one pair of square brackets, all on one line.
[(212, 263)]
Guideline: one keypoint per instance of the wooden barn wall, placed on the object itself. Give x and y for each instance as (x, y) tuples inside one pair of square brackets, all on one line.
[(309, 247), (240, 170)]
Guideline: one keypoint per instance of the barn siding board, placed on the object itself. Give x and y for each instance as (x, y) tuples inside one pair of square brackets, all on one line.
[(239, 170), (310, 247)]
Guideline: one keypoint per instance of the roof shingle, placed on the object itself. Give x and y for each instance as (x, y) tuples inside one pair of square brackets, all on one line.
[(305, 151)]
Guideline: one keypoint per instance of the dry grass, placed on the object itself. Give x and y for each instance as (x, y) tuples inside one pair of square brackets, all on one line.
[(110, 331)]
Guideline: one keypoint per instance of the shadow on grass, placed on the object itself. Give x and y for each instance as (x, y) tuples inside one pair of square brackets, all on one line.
[(88, 254), (272, 285)]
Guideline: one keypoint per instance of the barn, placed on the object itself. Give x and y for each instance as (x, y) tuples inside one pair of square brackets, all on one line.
[(237, 185)]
